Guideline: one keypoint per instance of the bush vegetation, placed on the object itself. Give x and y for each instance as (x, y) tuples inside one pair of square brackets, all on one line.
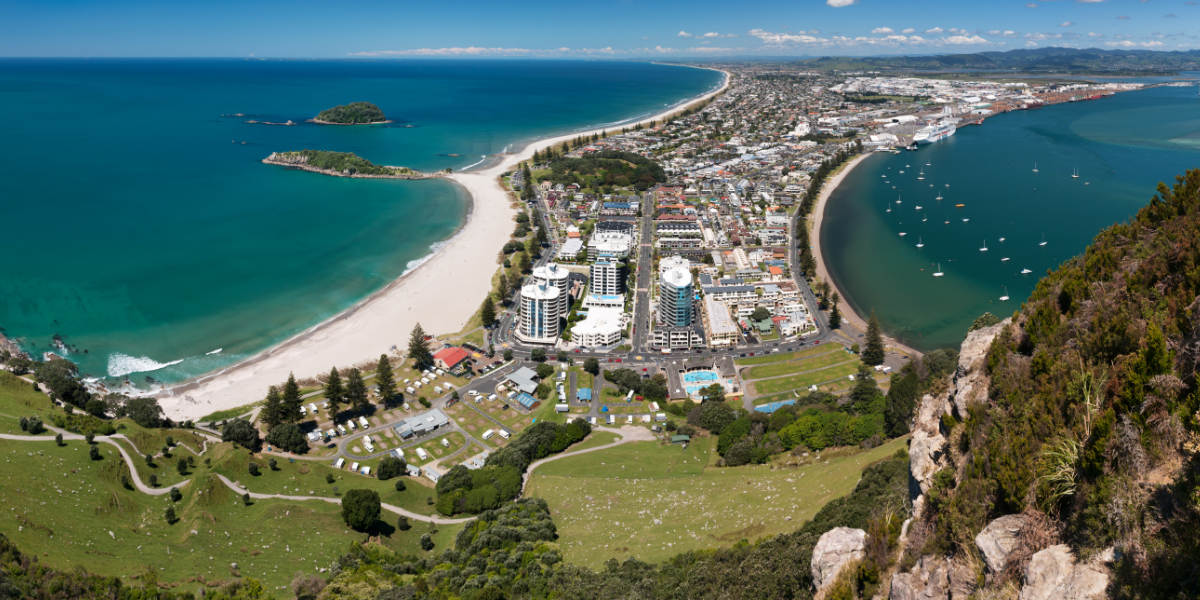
[(345, 162), (354, 113), (607, 168)]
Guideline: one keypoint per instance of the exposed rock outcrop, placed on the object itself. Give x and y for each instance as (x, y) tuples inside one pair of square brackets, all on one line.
[(836, 547), (971, 380), (1054, 574), (933, 578), (926, 450), (997, 541)]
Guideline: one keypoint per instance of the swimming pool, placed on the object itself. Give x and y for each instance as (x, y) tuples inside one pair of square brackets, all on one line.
[(696, 376)]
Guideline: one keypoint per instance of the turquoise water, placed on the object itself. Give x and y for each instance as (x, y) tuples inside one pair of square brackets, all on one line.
[(1121, 146), (143, 228), (703, 379)]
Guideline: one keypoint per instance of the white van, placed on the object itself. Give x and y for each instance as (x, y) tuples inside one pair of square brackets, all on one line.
[(367, 439), (351, 424), (422, 454), (426, 380), (369, 447), (629, 420), (440, 372), (472, 393), (313, 408), (407, 406), (410, 390), (445, 443), (339, 463), (492, 397), (504, 433), (487, 435), (363, 421), (341, 429), (407, 381)]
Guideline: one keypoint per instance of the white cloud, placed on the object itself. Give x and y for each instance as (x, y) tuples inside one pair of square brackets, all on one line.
[(712, 50), (964, 40), (713, 34), (1088, 1), (1066, 24), (840, 3), (1129, 44), (684, 34), (878, 30), (1031, 5), (1093, 34), (1030, 44), (935, 30), (908, 31)]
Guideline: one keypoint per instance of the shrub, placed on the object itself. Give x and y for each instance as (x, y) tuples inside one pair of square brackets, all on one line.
[(402, 524), (426, 542), (94, 453), (181, 465), (390, 467), (175, 494), (240, 432), (400, 487), (254, 469), (153, 480), (170, 515), (329, 478), (272, 464)]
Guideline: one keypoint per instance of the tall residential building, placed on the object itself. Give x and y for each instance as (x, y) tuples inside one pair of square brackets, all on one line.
[(606, 278), (675, 298), (673, 262), (555, 276), (539, 314)]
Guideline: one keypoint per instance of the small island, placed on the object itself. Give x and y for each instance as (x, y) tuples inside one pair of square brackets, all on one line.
[(341, 164), (355, 113)]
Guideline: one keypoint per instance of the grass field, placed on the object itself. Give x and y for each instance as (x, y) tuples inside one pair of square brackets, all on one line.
[(771, 358), (774, 398), (598, 438), (819, 361), (653, 501), (773, 386), (307, 478), (17, 399), (69, 510), (230, 413)]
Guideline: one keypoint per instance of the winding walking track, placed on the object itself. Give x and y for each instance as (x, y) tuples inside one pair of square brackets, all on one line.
[(628, 434)]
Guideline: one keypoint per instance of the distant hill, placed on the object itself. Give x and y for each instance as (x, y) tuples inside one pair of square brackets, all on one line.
[(1036, 59), (355, 113)]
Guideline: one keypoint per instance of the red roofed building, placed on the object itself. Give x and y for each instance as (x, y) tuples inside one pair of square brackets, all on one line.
[(448, 358)]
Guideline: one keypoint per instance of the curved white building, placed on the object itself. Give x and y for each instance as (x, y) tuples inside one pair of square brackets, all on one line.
[(555, 276), (539, 314), (675, 298)]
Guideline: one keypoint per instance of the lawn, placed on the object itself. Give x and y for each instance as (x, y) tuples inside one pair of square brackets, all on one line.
[(151, 441), (770, 358), (774, 398), (598, 438), (653, 501), (72, 511), (223, 415), (17, 399), (471, 419), (772, 386), (819, 361), (307, 478)]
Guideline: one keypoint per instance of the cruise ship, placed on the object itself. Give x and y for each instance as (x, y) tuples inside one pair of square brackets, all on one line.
[(934, 133)]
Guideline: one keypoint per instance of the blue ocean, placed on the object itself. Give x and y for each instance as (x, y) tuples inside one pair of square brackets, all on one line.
[(1023, 210), (145, 233)]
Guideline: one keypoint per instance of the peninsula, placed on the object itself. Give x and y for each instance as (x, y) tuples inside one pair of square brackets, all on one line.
[(341, 164), (355, 113)]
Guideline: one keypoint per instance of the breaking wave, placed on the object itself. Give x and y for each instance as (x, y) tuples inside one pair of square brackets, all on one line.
[(120, 365), (413, 264)]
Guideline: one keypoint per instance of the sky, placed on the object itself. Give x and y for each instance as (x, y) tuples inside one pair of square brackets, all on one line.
[(593, 28)]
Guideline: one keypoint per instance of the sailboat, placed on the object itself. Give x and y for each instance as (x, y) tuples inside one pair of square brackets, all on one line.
[(1005, 296), (889, 208), (897, 199), (1043, 240), (1075, 175), (925, 219), (939, 196), (939, 272), (1025, 271), (1035, 167), (922, 174), (920, 242), (984, 248)]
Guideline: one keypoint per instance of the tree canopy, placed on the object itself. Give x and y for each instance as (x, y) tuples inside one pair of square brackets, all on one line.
[(360, 509), (354, 113)]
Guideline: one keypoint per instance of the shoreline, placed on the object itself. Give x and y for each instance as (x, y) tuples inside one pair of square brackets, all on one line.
[(386, 317), (850, 315)]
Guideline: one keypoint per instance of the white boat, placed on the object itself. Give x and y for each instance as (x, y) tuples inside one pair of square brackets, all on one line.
[(939, 196), (925, 219), (1075, 174), (965, 220), (1002, 239), (1043, 240), (922, 175), (902, 234), (1035, 167), (984, 248), (934, 133), (1025, 271), (939, 272), (1005, 296), (918, 208), (920, 242), (1005, 259)]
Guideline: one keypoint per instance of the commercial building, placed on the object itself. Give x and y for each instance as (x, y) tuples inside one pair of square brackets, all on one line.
[(602, 327), (675, 298), (719, 327), (570, 249), (554, 275), (606, 278), (422, 424), (524, 379), (539, 314), (448, 358)]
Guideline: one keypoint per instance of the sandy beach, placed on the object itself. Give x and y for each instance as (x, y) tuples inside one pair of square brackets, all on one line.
[(848, 313), (440, 294)]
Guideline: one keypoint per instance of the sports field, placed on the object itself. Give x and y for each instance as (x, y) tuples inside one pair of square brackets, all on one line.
[(774, 386), (770, 358), (652, 501), (819, 361)]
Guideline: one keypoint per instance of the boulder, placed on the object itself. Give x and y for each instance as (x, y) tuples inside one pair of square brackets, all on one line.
[(970, 379), (836, 547), (934, 579), (927, 449), (997, 541), (1054, 574)]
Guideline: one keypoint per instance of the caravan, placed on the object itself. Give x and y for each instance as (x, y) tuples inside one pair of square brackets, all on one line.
[(422, 454)]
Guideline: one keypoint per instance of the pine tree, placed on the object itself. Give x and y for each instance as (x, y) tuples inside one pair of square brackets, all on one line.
[(418, 348), (835, 316), (873, 354), (487, 312), (502, 288), (542, 238), (384, 379), (291, 400), (335, 393), (356, 390), (272, 412), (526, 264)]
